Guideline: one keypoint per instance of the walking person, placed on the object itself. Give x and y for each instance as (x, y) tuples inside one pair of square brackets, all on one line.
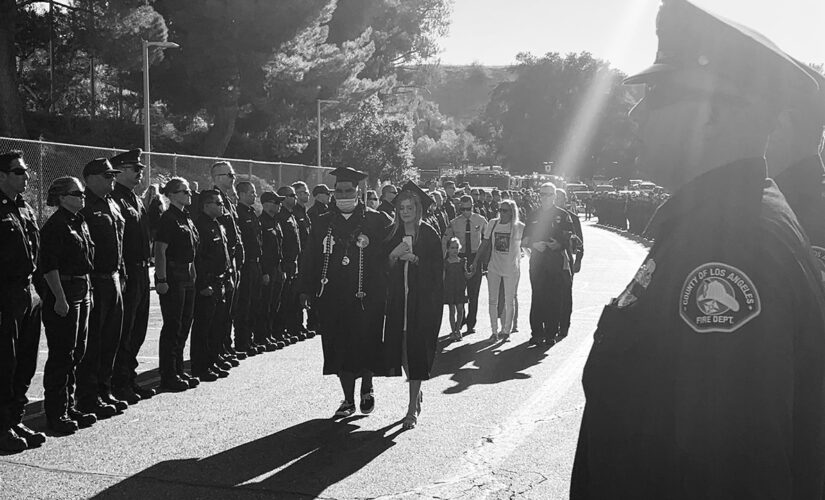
[(468, 228), (455, 286), (137, 252), (106, 226), (343, 277), (20, 307), (175, 248), (66, 260), (503, 235), (415, 295)]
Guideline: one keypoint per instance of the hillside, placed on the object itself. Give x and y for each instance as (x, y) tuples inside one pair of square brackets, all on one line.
[(462, 92)]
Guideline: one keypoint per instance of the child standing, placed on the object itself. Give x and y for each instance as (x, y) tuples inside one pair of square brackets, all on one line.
[(455, 286)]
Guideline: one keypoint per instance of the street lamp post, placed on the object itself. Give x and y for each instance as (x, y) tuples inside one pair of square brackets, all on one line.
[(322, 101), (147, 139)]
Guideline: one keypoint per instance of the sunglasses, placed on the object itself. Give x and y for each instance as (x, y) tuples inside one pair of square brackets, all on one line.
[(372, 199), (109, 175), (76, 194), (231, 175), (466, 209), (19, 171), (214, 202)]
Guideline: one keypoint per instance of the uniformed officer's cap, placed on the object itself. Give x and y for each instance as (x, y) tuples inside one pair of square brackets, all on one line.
[(99, 166), (694, 42), (320, 189), (129, 158), (413, 188), (271, 197), (348, 174)]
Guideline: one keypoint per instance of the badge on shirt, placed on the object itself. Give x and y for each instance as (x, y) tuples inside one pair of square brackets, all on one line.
[(819, 253), (639, 284), (717, 297)]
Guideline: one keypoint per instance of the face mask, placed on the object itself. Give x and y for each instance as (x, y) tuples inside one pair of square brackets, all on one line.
[(346, 206)]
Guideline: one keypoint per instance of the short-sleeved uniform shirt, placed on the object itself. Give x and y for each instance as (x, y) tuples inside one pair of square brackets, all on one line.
[(706, 377), (67, 244), (178, 231), (106, 225), (505, 252)]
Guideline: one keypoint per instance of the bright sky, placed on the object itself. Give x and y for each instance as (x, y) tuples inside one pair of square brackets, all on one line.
[(492, 32)]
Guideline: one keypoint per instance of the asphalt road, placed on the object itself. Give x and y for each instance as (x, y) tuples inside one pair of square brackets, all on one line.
[(499, 421)]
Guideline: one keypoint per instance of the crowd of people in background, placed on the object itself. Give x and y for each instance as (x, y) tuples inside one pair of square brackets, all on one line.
[(626, 211), (239, 273)]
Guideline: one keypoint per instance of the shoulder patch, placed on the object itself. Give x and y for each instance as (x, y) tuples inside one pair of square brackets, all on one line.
[(819, 253), (718, 297)]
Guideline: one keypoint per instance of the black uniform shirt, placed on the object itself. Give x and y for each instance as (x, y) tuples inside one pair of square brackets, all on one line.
[(544, 225), (250, 232), (229, 219), (316, 210), (304, 223), (67, 244), (802, 185), (177, 230), (291, 245), (136, 235), (706, 378), (387, 207), (19, 240), (272, 240), (106, 225), (212, 258)]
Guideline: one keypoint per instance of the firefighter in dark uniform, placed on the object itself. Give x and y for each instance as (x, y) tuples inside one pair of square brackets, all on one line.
[(299, 211), (137, 250), (106, 224), (705, 379), (223, 178), (547, 234), (66, 259), (388, 193), (20, 305), (175, 248), (575, 253), (273, 276), (212, 265), (249, 291), (321, 194), (289, 330), (795, 163), (343, 276)]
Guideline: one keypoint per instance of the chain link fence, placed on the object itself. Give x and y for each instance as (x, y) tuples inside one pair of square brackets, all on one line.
[(49, 160)]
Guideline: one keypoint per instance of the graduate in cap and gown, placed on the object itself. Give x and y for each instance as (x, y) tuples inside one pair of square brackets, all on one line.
[(415, 296), (343, 277)]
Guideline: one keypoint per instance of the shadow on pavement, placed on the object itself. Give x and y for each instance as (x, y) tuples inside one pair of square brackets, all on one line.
[(491, 363), (299, 462)]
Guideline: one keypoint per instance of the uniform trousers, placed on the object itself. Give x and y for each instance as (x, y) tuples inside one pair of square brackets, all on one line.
[(135, 324), (270, 304), (548, 288), (473, 288), (230, 297), (177, 306), (20, 311), (566, 306), (66, 337), (289, 310), (208, 330), (249, 300), (94, 373)]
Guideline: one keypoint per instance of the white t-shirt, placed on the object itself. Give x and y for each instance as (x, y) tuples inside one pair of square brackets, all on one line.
[(505, 254)]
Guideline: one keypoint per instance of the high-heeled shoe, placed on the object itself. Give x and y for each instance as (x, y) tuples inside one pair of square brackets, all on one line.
[(410, 421)]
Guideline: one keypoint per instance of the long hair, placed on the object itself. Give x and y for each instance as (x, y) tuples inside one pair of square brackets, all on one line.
[(513, 210), (397, 223)]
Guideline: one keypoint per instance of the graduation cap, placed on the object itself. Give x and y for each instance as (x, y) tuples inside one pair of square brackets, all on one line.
[(131, 157), (271, 197), (413, 188), (695, 44), (348, 174)]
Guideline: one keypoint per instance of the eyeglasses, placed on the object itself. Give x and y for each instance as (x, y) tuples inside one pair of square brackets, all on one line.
[(186, 191), (372, 199), (76, 194), (109, 175), (215, 202), (19, 171), (231, 175)]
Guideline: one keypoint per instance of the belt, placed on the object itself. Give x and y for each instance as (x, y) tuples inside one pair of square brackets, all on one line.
[(71, 277), (104, 276), (140, 263)]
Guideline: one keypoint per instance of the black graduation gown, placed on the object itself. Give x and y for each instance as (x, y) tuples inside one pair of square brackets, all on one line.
[(351, 329), (424, 306)]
